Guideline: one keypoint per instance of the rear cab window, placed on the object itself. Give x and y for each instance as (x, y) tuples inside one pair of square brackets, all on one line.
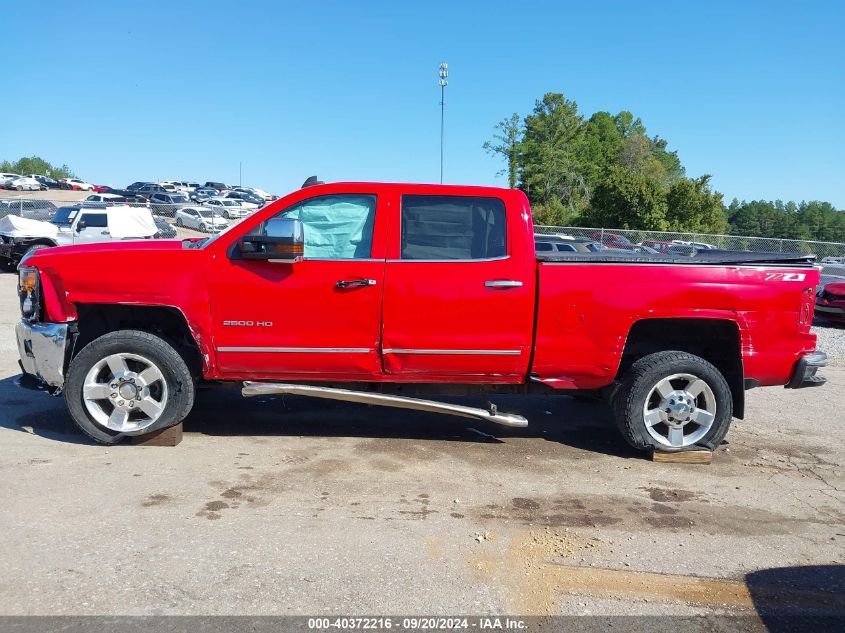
[(451, 228)]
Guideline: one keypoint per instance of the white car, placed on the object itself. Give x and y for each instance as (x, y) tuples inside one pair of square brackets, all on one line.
[(77, 185), (699, 245), (227, 207), (258, 192), (23, 183), (169, 186), (200, 219), (4, 178)]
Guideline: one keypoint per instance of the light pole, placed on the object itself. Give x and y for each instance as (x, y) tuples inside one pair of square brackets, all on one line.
[(444, 81)]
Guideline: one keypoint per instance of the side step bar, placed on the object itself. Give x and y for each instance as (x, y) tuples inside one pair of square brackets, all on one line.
[(399, 402)]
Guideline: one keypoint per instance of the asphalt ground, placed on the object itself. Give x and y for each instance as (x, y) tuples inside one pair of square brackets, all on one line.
[(294, 506)]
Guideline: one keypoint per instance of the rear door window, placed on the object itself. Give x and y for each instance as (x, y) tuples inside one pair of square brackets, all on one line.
[(443, 228)]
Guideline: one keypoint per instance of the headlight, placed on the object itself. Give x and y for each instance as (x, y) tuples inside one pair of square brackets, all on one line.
[(29, 291)]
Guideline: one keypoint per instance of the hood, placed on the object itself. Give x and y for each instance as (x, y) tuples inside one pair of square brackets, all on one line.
[(118, 246), (836, 288), (16, 226)]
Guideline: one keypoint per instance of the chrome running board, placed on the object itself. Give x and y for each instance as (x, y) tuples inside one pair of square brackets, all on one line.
[(399, 402)]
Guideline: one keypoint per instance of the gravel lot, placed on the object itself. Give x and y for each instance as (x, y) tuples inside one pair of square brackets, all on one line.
[(289, 506)]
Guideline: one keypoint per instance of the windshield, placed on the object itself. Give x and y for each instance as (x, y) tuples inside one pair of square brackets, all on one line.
[(179, 199), (64, 216), (230, 203)]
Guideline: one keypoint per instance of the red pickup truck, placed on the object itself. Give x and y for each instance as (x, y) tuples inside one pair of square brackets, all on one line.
[(383, 293)]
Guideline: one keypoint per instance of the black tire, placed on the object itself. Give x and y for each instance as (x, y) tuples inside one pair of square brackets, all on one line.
[(180, 383), (643, 376), (35, 247)]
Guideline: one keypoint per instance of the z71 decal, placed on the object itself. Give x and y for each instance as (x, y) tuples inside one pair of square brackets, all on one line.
[(785, 276)]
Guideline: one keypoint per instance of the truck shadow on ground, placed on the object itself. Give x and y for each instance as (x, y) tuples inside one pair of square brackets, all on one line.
[(808, 598), (222, 411)]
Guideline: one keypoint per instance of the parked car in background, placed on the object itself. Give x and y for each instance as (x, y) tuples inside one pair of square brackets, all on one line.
[(660, 247), (248, 200), (5, 177), (203, 193), (558, 244), (31, 209), (165, 229), (201, 219), (104, 199), (685, 250), (148, 189), (698, 245), (75, 184), (25, 183), (612, 240), (228, 208), (185, 186), (219, 186), (136, 186), (830, 301), (50, 183), (167, 203), (267, 197), (839, 261)]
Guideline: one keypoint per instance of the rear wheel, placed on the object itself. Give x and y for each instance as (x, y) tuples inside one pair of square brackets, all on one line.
[(673, 401), (128, 382)]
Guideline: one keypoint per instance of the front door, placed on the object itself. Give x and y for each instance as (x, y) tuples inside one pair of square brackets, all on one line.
[(459, 299), (317, 319), (96, 228)]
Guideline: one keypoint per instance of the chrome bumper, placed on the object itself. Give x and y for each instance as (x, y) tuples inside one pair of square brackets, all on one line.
[(42, 348), (804, 374)]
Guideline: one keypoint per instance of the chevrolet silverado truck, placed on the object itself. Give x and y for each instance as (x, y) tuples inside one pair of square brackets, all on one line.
[(390, 294)]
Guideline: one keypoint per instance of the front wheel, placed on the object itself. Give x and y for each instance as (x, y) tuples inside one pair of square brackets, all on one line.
[(673, 401), (128, 382)]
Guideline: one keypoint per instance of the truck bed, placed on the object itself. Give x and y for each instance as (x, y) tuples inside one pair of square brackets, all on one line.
[(712, 258)]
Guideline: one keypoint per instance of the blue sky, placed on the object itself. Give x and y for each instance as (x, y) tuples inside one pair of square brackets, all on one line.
[(751, 92)]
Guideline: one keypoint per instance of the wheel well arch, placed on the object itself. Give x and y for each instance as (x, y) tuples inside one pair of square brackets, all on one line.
[(717, 341), (96, 319)]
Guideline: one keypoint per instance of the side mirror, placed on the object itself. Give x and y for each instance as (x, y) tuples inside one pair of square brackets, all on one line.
[(80, 225), (284, 242)]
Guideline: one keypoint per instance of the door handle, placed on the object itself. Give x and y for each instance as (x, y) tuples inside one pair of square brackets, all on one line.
[(502, 283), (355, 283)]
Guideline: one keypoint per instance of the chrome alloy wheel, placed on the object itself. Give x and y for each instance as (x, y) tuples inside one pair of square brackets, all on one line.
[(125, 392), (679, 410)]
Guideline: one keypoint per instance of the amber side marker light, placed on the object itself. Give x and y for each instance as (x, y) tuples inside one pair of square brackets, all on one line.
[(28, 279)]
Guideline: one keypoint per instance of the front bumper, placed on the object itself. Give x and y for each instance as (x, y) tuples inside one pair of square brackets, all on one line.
[(43, 349), (804, 374)]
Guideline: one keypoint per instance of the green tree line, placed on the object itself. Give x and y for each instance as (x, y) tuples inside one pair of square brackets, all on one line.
[(35, 165), (607, 171)]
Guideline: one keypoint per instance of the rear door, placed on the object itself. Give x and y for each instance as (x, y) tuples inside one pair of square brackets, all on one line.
[(459, 289)]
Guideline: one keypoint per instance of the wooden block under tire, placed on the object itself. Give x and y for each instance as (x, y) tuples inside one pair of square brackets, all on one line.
[(171, 436), (695, 456)]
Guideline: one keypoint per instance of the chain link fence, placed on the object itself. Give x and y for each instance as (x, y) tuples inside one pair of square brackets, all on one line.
[(830, 254), (822, 250)]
